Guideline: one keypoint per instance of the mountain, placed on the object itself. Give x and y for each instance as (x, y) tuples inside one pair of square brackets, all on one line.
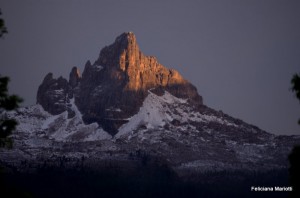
[(128, 107), (113, 88)]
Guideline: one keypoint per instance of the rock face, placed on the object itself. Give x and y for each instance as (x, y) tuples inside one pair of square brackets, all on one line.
[(124, 61), (52, 94), (113, 88)]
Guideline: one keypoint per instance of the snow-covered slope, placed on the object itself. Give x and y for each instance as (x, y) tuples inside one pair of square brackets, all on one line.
[(159, 111), (154, 113), (169, 128), (34, 121)]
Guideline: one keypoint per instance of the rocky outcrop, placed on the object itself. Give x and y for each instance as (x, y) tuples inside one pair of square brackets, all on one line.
[(52, 94), (74, 77), (74, 80), (113, 88)]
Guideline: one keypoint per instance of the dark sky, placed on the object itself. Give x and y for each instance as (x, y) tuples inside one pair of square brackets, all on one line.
[(240, 54)]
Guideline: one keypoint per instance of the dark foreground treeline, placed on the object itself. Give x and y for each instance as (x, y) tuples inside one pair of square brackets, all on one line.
[(141, 181)]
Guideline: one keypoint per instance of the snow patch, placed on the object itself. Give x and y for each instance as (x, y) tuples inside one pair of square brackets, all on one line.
[(98, 68), (112, 109), (59, 91), (152, 114)]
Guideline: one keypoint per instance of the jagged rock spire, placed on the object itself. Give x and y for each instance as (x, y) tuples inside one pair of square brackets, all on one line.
[(119, 79), (74, 77), (141, 72)]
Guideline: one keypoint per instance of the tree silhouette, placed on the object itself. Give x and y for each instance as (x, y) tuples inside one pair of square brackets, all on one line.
[(3, 29), (294, 157), (7, 103)]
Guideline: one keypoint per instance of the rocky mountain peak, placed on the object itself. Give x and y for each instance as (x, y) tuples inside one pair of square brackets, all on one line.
[(113, 88), (125, 61), (113, 55), (127, 39)]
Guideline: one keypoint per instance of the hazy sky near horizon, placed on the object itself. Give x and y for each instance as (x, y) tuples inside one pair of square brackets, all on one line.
[(240, 54)]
